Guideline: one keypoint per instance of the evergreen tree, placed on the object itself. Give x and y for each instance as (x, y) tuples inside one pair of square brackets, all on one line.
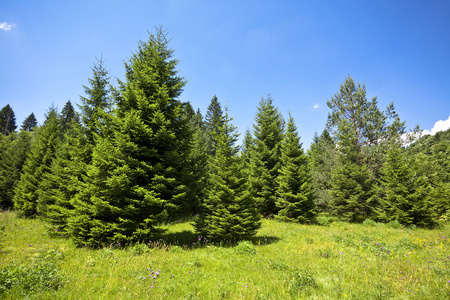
[(140, 173), (322, 157), (352, 183), (96, 108), (404, 196), (213, 122), (7, 120), (295, 198), (11, 165), (228, 211), (29, 123), (37, 164), (68, 116), (265, 161)]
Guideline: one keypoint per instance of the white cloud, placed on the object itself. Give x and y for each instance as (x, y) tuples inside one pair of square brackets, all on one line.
[(6, 26), (316, 105), (438, 126)]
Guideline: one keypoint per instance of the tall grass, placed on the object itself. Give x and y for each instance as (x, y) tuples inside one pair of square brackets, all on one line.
[(284, 261)]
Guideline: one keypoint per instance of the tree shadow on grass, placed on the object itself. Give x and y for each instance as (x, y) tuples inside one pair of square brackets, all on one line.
[(189, 240)]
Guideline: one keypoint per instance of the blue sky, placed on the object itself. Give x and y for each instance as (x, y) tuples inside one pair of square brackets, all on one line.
[(298, 51)]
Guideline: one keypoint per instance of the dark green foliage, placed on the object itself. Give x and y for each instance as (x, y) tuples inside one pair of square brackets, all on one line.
[(198, 178), (213, 122), (295, 199), (11, 164), (29, 123), (96, 108), (229, 211), (139, 173), (265, 159), (68, 116), (322, 157), (7, 120), (38, 162), (404, 196), (352, 184)]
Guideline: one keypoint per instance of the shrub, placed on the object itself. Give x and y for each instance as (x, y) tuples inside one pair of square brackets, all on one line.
[(139, 249), (324, 220), (369, 223), (245, 247), (394, 224)]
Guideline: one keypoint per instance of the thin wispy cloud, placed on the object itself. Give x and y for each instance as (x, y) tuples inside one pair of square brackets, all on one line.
[(5, 26), (438, 126), (316, 105)]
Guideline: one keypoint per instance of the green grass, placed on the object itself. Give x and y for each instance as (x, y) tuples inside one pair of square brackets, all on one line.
[(284, 261)]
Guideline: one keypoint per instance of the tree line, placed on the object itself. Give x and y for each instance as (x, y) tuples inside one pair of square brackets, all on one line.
[(134, 156)]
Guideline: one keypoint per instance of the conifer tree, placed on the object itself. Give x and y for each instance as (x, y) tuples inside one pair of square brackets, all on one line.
[(140, 173), (11, 164), (37, 164), (228, 211), (403, 195), (295, 198), (29, 123), (7, 120), (352, 183), (265, 160), (322, 157), (96, 108), (68, 116), (213, 122)]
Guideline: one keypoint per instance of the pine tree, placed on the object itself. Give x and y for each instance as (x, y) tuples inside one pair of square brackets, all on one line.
[(37, 164), (295, 198), (7, 120), (228, 211), (68, 116), (96, 108), (352, 183), (141, 172), (322, 157), (265, 160), (213, 122), (11, 165), (29, 123), (404, 196)]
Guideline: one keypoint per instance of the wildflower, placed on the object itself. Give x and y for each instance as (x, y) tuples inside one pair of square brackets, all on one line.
[(154, 277), (157, 273), (151, 287)]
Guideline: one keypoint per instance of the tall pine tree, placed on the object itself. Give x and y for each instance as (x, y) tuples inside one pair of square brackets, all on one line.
[(213, 122), (295, 194), (29, 123), (7, 120), (228, 211), (404, 196), (140, 173), (265, 159), (38, 163)]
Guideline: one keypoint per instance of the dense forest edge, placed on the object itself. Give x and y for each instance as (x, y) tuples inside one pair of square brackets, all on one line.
[(134, 157)]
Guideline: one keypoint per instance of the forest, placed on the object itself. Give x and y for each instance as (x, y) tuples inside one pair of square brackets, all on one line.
[(133, 157)]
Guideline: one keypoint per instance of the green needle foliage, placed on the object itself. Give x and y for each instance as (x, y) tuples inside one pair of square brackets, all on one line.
[(404, 195), (29, 123), (229, 212), (265, 158), (295, 199), (11, 165), (138, 175), (7, 120), (37, 164)]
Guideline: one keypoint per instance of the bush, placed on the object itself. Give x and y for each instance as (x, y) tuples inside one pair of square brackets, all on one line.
[(245, 247), (139, 249), (394, 224), (324, 220), (369, 223)]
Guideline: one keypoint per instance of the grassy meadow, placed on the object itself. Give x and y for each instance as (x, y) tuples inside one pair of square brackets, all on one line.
[(284, 261)]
